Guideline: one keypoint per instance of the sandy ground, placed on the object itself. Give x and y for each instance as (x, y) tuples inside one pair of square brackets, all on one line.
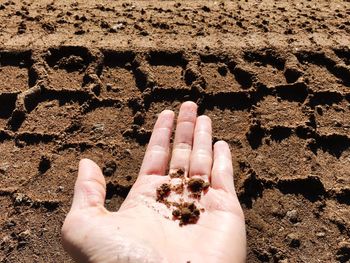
[(87, 80)]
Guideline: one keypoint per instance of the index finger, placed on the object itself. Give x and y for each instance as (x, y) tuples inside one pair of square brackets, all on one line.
[(156, 157)]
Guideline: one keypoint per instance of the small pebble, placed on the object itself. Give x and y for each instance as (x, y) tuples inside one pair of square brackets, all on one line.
[(109, 168), (293, 240), (98, 127), (321, 234), (292, 216)]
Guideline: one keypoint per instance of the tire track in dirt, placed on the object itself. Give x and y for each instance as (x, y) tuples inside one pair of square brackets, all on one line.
[(87, 80), (289, 134)]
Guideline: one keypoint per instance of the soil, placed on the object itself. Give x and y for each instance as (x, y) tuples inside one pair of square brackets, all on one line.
[(163, 191), (172, 195), (81, 79), (196, 186), (186, 213), (179, 173)]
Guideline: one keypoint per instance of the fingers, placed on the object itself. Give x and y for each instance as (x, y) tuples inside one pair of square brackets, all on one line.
[(222, 172), (157, 154), (184, 136), (202, 153), (90, 187)]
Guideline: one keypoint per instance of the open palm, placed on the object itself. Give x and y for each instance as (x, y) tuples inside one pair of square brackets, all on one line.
[(144, 230)]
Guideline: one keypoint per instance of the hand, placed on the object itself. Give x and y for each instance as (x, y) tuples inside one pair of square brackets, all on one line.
[(144, 230)]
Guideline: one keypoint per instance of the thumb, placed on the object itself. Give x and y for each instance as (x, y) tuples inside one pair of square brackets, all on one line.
[(90, 187)]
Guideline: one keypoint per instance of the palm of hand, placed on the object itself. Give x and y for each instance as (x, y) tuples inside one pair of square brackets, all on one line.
[(143, 229)]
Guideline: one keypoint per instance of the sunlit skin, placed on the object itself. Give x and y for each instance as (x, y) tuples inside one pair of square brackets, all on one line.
[(141, 230)]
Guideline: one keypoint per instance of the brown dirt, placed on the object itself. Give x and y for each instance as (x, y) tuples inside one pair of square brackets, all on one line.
[(186, 213), (196, 186), (179, 173), (163, 191), (81, 79)]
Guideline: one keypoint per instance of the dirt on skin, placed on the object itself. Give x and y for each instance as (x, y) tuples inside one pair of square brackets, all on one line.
[(196, 186), (184, 206), (162, 192), (82, 79), (186, 213)]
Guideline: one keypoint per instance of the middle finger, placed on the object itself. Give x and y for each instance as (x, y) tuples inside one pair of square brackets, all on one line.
[(184, 137)]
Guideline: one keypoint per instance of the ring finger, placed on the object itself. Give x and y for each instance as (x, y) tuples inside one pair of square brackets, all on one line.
[(202, 152)]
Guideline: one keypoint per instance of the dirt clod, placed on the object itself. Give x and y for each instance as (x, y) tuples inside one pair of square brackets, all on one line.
[(196, 186), (109, 168), (293, 240), (139, 118), (71, 63), (187, 213), (180, 173), (163, 191), (292, 216)]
